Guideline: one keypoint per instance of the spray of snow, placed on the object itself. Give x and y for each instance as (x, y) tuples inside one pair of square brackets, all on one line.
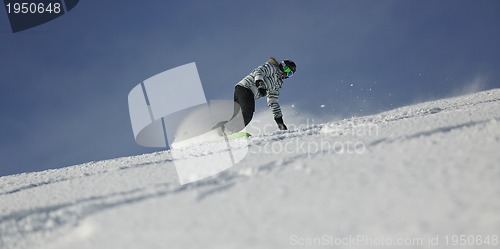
[(475, 85)]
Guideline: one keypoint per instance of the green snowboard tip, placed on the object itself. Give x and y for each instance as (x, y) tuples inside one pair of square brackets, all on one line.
[(239, 135)]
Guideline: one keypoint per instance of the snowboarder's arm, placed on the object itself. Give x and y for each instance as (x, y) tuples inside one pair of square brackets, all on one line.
[(272, 102)]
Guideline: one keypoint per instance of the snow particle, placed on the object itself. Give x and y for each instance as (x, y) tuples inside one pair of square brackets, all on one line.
[(322, 106)]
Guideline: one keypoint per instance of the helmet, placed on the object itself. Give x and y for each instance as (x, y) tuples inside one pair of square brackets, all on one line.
[(285, 64)]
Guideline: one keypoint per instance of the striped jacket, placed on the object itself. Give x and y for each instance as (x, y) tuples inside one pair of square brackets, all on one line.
[(271, 75)]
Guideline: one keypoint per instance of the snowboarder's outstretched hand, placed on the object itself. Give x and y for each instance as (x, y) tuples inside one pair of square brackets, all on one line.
[(281, 124), (282, 127)]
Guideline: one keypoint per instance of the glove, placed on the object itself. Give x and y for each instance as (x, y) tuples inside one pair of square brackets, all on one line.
[(261, 87), (282, 127), (281, 124)]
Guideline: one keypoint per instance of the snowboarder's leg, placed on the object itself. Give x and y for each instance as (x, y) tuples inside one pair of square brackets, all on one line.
[(244, 99), (247, 116), (236, 110)]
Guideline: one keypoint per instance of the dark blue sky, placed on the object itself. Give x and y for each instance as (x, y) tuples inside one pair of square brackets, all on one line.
[(64, 84)]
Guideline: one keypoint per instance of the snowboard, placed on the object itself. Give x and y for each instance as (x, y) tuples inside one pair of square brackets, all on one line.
[(238, 135)]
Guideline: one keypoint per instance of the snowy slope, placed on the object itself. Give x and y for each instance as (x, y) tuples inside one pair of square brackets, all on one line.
[(399, 177)]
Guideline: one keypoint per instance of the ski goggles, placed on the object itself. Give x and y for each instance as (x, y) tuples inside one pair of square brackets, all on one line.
[(288, 71)]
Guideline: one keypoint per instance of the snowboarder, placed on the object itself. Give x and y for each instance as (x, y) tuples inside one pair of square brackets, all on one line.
[(264, 81)]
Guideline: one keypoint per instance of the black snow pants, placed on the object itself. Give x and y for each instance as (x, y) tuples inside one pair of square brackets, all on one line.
[(244, 100)]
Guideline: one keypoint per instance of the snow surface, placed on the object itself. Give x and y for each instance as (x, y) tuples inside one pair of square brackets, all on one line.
[(420, 171)]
